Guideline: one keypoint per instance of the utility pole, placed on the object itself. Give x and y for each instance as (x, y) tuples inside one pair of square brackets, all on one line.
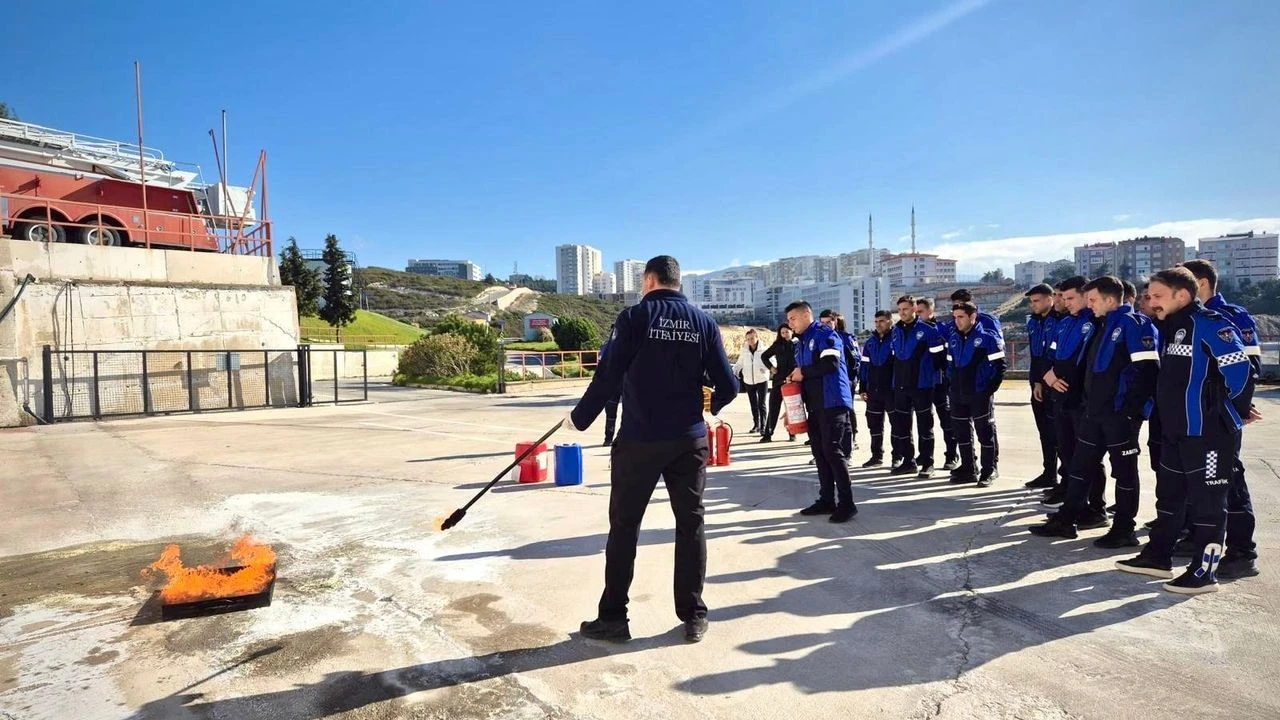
[(870, 243), (913, 229)]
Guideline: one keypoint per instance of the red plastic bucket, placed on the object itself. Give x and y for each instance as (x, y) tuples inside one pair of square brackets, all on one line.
[(533, 468)]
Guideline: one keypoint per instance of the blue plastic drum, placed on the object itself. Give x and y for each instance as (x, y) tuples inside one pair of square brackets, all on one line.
[(569, 464)]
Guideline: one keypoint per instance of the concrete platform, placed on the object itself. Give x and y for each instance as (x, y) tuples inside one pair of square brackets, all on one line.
[(933, 602)]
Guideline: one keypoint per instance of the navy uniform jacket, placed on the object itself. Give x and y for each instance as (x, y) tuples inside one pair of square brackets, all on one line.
[(1204, 375), (820, 357), (1039, 337), (875, 371), (659, 352), (946, 331), (975, 363), (852, 359), (1120, 377), (986, 321), (1071, 337), (917, 355), (1248, 330)]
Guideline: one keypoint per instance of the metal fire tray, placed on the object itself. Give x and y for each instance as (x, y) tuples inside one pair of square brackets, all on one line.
[(216, 606)]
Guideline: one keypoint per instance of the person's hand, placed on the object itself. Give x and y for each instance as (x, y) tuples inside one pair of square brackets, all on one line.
[(863, 396), (710, 419), (567, 423), (795, 376), (1254, 416), (1037, 392), (1060, 385), (1050, 378), (773, 371)]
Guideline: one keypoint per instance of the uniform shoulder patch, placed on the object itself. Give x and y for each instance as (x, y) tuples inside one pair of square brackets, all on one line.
[(977, 342), (1227, 334), (1148, 342), (1115, 334), (919, 334), (1247, 334)]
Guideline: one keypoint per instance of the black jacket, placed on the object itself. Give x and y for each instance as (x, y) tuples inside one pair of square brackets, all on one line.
[(659, 353), (781, 355)]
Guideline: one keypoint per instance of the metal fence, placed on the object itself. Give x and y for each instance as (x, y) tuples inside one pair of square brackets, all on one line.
[(83, 384)]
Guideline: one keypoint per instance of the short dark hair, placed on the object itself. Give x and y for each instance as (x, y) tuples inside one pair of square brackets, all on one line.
[(828, 313), (925, 301), (962, 295), (1108, 285), (665, 270), (884, 314), (1041, 289), (1178, 278), (798, 305), (1203, 270), (840, 323), (906, 299), (781, 326), (966, 307), (1130, 290), (1075, 282)]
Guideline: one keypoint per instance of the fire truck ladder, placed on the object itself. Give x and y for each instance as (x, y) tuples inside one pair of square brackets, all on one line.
[(120, 160)]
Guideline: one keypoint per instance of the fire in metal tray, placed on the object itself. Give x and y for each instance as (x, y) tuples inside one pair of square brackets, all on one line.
[(242, 580)]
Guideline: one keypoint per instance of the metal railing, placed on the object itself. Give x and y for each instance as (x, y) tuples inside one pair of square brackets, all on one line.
[(97, 384), (559, 365)]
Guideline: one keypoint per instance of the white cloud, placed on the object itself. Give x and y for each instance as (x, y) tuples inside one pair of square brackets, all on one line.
[(978, 257), (993, 226), (952, 235), (1121, 217)]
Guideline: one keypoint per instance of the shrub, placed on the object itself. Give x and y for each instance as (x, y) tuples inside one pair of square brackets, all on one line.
[(544, 335), (481, 337), (575, 334), (442, 355)]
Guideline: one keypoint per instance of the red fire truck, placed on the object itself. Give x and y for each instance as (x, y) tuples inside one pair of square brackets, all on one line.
[(57, 186)]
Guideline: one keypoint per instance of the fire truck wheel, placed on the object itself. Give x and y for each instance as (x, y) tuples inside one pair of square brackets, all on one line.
[(104, 237), (40, 232)]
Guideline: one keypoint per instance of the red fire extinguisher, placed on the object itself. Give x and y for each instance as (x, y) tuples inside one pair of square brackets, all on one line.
[(796, 419), (719, 438)]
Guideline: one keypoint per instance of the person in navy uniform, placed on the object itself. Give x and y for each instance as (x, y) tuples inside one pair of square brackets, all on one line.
[(1241, 556), (917, 355), (1065, 379), (821, 371), (875, 379), (1202, 395), (781, 359), (941, 389), (1119, 384), (852, 358), (975, 362), (986, 320), (659, 353), (610, 407), (1039, 331)]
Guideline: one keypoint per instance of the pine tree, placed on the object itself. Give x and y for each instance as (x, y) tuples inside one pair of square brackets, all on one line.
[(304, 280), (339, 296)]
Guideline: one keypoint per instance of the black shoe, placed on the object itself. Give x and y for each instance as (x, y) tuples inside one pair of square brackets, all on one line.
[(813, 461), (950, 464), (695, 629), (1195, 581), (844, 513), (987, 477), (1116, 539), (808, 442), (1234, 568), (1150, 524), (753, 429), (765, 438), (610, 630), (875, 461), (905, 469), (1111, 509), (1184, 548), (791, 438), (1141, 565), (819, 508), (1054, 528), (925, 472), (1054, 498), (608, 442), (1093, 521), (1044, 482), (962, 478)]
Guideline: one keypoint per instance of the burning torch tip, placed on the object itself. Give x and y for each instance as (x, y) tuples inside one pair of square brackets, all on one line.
[(454, 519)]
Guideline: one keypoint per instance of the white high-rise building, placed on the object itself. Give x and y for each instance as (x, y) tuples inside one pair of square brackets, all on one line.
[(605, 283), (630, 275), (911, 269), (857, 299), (576, 268), (1245, 256)]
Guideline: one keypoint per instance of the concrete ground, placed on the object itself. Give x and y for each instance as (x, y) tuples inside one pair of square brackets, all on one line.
[(933, 602)]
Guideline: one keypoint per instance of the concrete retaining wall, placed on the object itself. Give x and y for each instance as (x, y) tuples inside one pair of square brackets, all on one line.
[(382, 362), (89, 298)]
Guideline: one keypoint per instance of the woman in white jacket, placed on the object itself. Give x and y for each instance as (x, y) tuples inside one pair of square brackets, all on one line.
[(755, 379)]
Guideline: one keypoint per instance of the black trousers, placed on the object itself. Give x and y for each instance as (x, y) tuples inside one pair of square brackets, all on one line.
[(877, 404), (828, 429), (1240, 519), (942, 404), (1043, 412), (975, 414), (635, 469), (1113, 435), (905, 404), (611, 417), (759, 412), (1194, 477)]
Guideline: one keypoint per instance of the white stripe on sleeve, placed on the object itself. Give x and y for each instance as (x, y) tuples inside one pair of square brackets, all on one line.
[(996, 356), (1144, 355), (829, 352)]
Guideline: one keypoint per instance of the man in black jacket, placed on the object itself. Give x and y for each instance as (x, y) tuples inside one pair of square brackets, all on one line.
[(875, 379), (781, 359), (659, 353)]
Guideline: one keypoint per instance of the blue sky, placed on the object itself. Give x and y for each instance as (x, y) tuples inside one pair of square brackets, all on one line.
[(715, 131)]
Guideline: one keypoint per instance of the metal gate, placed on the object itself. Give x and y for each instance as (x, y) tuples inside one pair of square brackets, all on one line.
[(84, 384)]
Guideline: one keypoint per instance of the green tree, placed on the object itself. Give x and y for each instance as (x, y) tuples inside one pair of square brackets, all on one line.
[(339, 299), (994, 276), (1103, 269), (481, 337), (1060, 273), (437, 356), (7, 113), (489, 279), (304, 280), (575, 334)]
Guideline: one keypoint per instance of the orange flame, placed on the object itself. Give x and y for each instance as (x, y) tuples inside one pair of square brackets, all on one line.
[(188, 584), (439, 523)]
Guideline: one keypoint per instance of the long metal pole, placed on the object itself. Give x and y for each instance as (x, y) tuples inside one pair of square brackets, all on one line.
[(142, 165)]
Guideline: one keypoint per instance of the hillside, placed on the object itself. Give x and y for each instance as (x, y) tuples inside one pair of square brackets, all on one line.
[(600, 312), (369, 327)]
